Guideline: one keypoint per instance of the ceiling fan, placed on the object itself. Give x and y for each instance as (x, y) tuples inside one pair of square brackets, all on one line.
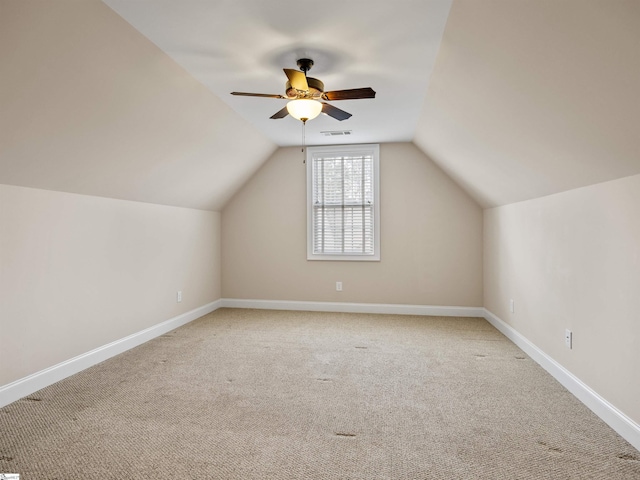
[(307, 95)]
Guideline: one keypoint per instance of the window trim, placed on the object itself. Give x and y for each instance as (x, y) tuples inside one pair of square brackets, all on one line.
[(370, 149)]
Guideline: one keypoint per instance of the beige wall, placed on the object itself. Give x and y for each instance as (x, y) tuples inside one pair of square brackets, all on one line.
[(572, 260), (78, 272), (431, 238)]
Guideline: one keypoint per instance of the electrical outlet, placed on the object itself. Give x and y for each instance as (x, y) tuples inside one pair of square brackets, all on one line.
[(512, 305), (179, 296), (338, 286), (568, 338)]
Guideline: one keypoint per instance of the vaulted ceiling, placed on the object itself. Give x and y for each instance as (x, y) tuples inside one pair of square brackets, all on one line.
[(534, 97), (130, 98)]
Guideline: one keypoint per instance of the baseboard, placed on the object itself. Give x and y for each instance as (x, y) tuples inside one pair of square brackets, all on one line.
[(25, 386), (622, 424), (626, 428), (396, 309)]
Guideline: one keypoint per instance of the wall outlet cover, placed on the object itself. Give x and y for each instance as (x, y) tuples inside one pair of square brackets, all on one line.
[(568, 338)]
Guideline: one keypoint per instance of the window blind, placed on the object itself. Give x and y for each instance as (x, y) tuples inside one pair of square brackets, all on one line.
[(343, 204)]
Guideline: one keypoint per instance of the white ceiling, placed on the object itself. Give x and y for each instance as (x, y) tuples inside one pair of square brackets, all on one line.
[(243, 45)]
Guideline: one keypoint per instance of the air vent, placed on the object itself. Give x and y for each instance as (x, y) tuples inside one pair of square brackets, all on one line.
[(336, 133)]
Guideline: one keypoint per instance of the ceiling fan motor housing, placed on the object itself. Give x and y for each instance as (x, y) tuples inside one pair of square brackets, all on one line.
[(316, 88)]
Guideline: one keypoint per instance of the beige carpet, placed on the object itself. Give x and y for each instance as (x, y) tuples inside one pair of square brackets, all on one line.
[(242, 394)]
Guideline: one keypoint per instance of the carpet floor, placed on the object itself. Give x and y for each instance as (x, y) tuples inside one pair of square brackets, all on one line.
[(250, 394)]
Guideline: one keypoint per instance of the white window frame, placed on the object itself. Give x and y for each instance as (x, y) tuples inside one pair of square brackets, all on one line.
[(355, 150)]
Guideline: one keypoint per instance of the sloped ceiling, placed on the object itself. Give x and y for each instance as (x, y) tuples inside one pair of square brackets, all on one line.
[(516, 100), (534, 97), (88, 105)]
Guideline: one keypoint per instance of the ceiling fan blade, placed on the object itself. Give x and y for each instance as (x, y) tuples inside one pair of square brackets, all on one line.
[(297, 79), (280, 114), (266, 95), (335, 112), (352, 94)]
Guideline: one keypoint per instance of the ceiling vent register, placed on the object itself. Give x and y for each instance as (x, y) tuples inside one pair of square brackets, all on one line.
[(336, 133)]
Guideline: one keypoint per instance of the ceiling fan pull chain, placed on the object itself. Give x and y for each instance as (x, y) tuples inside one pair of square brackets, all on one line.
[(304, 157)]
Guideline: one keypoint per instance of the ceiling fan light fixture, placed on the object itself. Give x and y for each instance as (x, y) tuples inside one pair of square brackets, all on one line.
[(306, 95), (304, 109)]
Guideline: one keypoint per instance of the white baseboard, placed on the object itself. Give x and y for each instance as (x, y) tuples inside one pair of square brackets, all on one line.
[(25, 386), (626, 428), (396, 309), (622, 424)]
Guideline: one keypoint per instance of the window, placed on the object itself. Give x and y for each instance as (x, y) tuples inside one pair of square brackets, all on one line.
[(343, 201)]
